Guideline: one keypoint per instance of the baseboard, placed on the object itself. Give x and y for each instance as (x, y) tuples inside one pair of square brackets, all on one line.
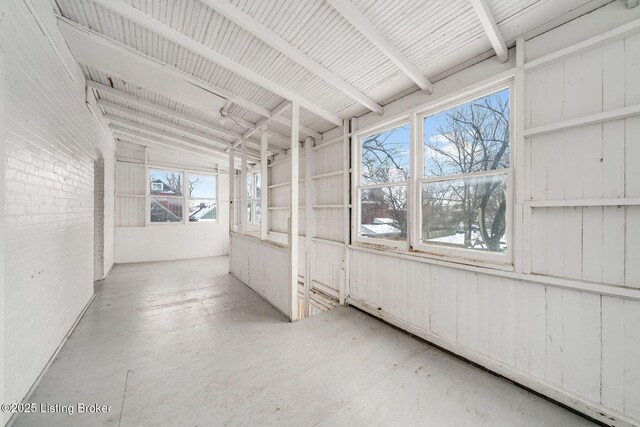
[(26, 398), (578, 404)]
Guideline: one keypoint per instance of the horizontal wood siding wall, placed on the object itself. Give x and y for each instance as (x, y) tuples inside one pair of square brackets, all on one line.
[(581, 348)]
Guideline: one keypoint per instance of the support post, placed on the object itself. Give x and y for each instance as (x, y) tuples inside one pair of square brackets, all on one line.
[(309, 219), (3, 91), (243, 187), (521, 230), (232, 177), (264, 180), (294, 213), (346, 216)]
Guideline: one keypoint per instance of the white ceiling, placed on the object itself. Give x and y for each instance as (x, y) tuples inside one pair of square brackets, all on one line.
[(434, 35)]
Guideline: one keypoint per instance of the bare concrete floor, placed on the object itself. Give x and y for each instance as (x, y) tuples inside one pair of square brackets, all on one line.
[(185, 344)]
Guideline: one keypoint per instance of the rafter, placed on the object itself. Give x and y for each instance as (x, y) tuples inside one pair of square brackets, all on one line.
[(136, 100), (142, 128), (152, 105), (140, 18), (379, 40), (152, 142), (254, 27), (490, 27), (158, 121), (108, 55)]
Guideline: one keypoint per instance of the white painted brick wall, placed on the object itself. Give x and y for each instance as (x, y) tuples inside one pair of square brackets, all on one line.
[(50, 140)]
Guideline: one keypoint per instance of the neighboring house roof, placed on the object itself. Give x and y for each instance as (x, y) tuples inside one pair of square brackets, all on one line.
[(383, 221), (208, 212), (373, 230)]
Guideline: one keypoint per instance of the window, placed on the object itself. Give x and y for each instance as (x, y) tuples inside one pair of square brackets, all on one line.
[(382, 189), (202, 198), (457, 201), (463, 188), (254, 188), (165, 196)]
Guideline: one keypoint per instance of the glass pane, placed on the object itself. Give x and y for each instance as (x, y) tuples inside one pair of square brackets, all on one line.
[(202, 186), (471, 137), (467, 213), (248, 210), (202, 210), (383, 213), (258, 186), (256, 211), (165, 183), (166, 209), (249, 178), (385, 156)]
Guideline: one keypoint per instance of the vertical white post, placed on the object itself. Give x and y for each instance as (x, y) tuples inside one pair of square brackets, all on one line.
[(243, 187), (346, 214), (309, 219), (185, 197), (232, 177), (147, 191), (3, 89), (294, 213), (521, 231), (412, 191), (354, 147), (264, 177)]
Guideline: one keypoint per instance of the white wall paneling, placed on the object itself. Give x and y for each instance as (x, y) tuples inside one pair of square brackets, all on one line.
[(560, 319), (138, 240), (264, 267)]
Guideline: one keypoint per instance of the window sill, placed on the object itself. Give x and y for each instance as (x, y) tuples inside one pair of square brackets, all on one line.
[(419, 256)]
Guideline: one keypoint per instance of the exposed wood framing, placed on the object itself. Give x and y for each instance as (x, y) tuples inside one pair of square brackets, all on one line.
[(140, 18), (98, 51), (294, 212), (254, 27), (490, 27), (232, 174), (264, 177), (362, 24), (243, 187), (151, 132), (309, 220), (143, 102)]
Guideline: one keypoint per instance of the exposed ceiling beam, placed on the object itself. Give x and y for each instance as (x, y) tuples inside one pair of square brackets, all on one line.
[(152, 132), (254, 27), (152, 105), (158, 121), (132, 98), (491, 28), (151, 142), (140, 18), (379, 40), (95, 51), (100, 52)]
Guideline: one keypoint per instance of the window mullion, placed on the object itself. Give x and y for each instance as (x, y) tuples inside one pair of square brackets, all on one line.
[(412, 221)]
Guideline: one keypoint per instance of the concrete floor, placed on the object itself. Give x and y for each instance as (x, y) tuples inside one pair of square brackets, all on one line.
[(183, 344)]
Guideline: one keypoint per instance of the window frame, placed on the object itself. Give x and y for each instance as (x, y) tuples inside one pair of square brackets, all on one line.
[(185, 197), (253, 198), (415, 119), (151, 196), (188, 198), (452, 251), (357, 171)]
